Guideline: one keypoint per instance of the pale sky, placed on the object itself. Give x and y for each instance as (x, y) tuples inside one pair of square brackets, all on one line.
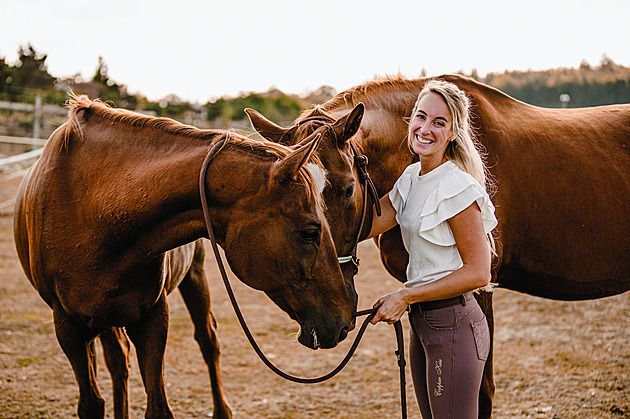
[(202, 50)]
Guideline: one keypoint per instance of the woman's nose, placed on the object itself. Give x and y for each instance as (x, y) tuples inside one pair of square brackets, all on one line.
[(425, 128)]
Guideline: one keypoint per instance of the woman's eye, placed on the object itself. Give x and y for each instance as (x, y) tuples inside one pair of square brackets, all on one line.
[(310, 235), (439, 124)]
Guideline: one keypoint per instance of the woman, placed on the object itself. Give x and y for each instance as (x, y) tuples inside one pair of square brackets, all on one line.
[(445, 217)]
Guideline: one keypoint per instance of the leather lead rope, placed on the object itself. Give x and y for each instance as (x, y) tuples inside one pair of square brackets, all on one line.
[(370, 312)]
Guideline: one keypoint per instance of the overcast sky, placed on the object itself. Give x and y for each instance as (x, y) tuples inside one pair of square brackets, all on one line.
[(201, 50)]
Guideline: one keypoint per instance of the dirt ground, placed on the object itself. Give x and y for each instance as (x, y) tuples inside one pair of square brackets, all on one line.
[(552, 359)]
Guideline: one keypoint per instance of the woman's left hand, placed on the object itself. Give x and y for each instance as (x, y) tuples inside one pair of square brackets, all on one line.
[(390, 307)]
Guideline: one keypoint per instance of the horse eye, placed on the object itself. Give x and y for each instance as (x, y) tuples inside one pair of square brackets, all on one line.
[(310, 235), (349, 192)]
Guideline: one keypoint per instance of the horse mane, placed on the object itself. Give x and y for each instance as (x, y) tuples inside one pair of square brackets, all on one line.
[(385, 92), (371, 92), (80, 103), (77, 103)]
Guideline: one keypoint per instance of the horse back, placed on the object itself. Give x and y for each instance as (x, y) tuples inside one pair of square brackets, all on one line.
[(563, 196)]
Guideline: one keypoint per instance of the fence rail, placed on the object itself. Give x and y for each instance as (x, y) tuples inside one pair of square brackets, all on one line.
[(29, 155), (30, 107), (21, 140), (21, 157), (6, 206)]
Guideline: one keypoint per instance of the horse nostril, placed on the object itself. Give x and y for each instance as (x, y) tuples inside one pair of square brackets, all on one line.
[(343, 333)]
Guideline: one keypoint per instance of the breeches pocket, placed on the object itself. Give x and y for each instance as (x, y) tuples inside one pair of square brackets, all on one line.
[(481, 335)]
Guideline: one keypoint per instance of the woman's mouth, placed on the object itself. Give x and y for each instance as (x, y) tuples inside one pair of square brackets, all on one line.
[(421, 140)]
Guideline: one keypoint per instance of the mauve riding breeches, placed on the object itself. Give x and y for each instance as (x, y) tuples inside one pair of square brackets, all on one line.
[(447, 353)]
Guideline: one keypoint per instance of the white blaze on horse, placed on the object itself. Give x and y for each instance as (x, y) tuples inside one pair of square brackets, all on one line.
[(106, 224)]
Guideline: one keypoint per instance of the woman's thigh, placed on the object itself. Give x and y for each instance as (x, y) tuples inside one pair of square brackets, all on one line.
[(455, 343)]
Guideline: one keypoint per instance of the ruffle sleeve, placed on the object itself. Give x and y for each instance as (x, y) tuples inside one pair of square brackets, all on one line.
[(400, 191), (454, 194)]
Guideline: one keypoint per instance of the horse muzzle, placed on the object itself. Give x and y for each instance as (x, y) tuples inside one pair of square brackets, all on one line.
[(323, 337)]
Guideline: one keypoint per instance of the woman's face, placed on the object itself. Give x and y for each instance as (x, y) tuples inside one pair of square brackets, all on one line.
[(430, 129)]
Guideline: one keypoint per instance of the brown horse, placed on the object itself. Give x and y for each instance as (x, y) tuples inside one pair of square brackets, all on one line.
[(562, 178), (344, 187), (104, 225)]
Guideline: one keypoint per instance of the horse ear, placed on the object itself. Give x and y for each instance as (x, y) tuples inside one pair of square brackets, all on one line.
[(289, 167), (266, 128), (349, 124)]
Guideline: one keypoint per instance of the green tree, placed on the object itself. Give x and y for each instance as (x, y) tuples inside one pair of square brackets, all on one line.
[(32, 71), (27, 78), (109, 90)]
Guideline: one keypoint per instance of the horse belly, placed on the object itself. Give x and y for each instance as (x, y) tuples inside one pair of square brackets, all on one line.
[(107, 300), (567, 262)]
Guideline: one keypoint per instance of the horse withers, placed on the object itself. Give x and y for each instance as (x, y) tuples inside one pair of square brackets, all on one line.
[(105, 227)]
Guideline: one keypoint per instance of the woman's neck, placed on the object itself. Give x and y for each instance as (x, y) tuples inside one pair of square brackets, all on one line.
[(429, 163)]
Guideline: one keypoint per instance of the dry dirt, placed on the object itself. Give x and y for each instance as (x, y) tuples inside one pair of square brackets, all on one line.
[(552, 359)]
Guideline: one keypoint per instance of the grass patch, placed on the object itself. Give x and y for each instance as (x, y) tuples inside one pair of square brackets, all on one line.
[(25, 362)]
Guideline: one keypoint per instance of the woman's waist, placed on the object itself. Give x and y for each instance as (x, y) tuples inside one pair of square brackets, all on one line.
[(437, 304)]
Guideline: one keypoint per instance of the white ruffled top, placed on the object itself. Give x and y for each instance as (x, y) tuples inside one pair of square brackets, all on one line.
[(423, 206)]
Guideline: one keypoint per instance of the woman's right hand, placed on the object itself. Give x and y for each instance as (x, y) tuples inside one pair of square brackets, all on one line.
[(390, 307)]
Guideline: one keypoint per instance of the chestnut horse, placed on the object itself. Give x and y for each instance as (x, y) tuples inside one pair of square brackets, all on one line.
[(105, 227), (344, 186), (562, 179)]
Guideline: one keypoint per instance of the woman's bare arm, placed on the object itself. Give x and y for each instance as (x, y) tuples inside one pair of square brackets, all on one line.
[(386, 221), (467, 227)]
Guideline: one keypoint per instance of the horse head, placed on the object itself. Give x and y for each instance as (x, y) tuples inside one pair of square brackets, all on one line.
[(343, 193), (278, 240)]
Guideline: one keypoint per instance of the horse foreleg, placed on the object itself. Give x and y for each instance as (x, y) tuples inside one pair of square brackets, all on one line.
[(79, 349), (149, 338), (486, 392), (116, 351), (196, 295)]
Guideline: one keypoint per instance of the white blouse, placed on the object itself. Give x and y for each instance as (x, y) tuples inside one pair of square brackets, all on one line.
[(423, 206)]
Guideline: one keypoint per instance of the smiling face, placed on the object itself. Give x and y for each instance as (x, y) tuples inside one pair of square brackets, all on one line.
[(430, 130)]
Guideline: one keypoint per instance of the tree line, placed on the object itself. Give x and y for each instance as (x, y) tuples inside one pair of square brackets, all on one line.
[(605, 83)]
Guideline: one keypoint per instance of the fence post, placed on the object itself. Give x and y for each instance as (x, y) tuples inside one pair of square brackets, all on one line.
[(37, 117)]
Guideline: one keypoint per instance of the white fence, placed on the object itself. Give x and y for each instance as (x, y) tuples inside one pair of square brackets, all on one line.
[(17, 166), (38, 109)]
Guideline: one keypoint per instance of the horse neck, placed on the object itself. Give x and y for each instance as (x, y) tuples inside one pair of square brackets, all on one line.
[(144, 184)]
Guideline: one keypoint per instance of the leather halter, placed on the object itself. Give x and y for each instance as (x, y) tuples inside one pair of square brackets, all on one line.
[(215, 149), (369, 189)]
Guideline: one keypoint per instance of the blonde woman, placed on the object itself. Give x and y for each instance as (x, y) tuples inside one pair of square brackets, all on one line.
[(445, 216)]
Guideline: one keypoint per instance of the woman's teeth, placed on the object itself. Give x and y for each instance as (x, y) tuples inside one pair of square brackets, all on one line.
[(422, 141)]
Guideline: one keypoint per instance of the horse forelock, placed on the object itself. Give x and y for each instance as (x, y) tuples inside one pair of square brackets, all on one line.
[(312, 175)]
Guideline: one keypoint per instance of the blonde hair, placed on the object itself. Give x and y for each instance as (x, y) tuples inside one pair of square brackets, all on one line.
[(465, 150)]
